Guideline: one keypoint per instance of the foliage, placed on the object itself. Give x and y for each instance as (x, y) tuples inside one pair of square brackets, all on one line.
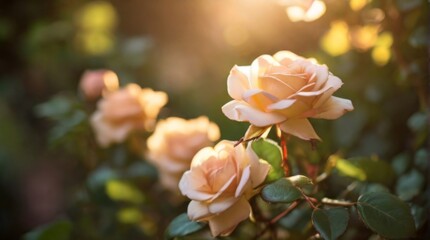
[(368, 176)]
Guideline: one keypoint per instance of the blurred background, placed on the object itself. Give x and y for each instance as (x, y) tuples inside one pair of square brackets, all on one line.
[(379, 48)]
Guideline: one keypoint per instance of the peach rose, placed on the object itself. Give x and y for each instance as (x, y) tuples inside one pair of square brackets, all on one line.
[(125, 110), (220, 182), (286, 90), (94, 82), (174, 143)]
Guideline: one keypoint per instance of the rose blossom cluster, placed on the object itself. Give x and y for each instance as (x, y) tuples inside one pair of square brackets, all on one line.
[(126, 110), (174, 143), (283, 90)]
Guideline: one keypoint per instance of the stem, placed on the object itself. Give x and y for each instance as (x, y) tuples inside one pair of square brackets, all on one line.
[(335, 202), (282, 214), (277, 218), (310, 200), (242, 140), (285, 163)]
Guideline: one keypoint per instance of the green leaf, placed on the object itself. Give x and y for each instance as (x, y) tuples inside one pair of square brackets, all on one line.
[(182, 226), (386, 215), (124, 191), (270, 151), (400, 163), (420, 216), (330, 223), (348, 169), (366, 169), (418, 121), (298, 220), (410, 185), (421, 159), (300, 181), (56, 108), (281, 191), (58, 230)]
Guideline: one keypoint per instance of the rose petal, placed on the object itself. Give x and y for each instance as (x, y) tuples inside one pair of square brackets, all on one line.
[(242, 112), (243, 181), (221, 204), (259, 99), (187, 189), (333, 108), (286, 57), (226, 222), (202, 156), (237, 82), (275, 86), (300, 127), (332, 85), (282, 104), (259, 66), (197, 211)]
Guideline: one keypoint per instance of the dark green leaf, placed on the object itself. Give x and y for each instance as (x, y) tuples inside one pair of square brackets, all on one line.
[(58, 230), (410, 185), (297, 220), (418, 121), (330, 223), (420, 216), (386, 214), (421, 159), (181, 226), (400, 163), (56, 108), (300, 181), (282, 190), (270, 151)]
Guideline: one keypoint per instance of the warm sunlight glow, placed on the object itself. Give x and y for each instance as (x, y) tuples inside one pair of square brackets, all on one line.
[(235, 35), (357, 5), (96, 22), (297, 13), (335, 42), (364, 37), (381, 54)]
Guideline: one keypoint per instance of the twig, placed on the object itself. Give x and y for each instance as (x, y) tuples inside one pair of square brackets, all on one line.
[(277, 218), (335, 202)]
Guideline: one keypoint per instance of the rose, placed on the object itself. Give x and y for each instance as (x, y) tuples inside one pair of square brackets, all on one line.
[(174, 143), (303, 10), (286, 90), (125, 110), (220, 182), (94, 82)]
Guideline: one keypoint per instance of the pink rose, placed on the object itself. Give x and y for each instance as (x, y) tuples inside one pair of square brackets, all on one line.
[(220, 182), (94, 82), (125, 110), (174, 143), (286, 90)]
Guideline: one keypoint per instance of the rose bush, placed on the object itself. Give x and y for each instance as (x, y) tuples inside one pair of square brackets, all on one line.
[(286, 90), (174, 143), (125, 110), (220, 182), (94, 82)]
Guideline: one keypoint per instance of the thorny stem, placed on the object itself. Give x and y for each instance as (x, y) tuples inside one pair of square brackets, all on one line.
[(285, 164), (277, 218), (243, 140)]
